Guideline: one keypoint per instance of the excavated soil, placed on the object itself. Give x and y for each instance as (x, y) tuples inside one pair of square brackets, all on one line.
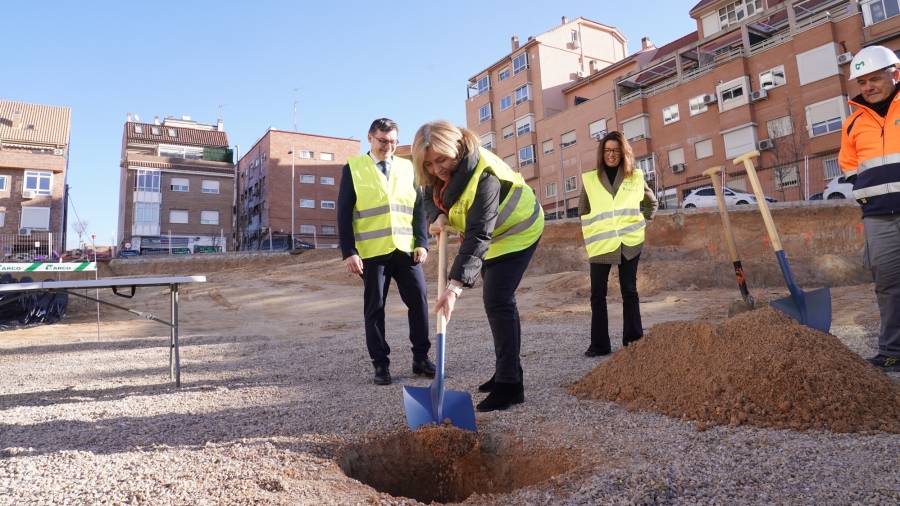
[(446, 464), (758, 368)]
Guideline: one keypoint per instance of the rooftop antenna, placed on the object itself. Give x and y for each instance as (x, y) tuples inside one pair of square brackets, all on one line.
[(295, 108)]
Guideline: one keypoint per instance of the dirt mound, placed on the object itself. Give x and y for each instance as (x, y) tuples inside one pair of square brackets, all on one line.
[(759, 368), (446, 464)]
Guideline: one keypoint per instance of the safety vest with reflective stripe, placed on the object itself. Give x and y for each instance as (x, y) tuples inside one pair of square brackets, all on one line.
[(870, 149), (383, 214), (520, 218), (614, 220)]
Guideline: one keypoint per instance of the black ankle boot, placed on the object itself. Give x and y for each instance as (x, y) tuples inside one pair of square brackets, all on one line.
[(502, 396), (488, 385)]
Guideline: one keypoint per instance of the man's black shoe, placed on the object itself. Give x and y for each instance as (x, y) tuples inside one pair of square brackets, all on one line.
[(595, 352), (885, 363), (382, 375), (424, 367), (502, 396)]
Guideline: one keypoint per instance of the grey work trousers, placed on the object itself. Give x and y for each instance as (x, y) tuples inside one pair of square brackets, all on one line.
[(882, 257)]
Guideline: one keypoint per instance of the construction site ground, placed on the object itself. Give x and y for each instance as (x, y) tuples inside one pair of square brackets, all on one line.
[(278, 406)]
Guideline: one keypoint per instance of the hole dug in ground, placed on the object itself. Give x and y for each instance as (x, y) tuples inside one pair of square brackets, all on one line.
[(446, 464)]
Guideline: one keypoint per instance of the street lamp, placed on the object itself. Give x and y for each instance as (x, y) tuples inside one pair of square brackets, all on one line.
[(292, 197)]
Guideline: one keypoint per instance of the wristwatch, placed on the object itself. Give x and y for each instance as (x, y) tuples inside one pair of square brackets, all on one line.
[(455, 289)]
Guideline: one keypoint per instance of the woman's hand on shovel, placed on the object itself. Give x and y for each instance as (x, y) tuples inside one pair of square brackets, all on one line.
[(447, 301)]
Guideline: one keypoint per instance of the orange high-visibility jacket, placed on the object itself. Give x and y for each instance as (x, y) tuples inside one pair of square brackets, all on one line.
[(870, 150)]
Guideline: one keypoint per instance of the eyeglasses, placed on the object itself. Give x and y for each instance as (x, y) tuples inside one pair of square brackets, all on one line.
[(612, 151), (385, 142)]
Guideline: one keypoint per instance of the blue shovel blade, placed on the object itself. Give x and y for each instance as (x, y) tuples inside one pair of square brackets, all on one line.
[(420, 410), (813, 308)]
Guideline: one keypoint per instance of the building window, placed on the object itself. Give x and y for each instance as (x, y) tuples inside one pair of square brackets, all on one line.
[(526, 155), (646, 165), (506, 102), (263, 156), (308, 229), (37, 218), (817, 63), (696, 105), (154, 130), (525, 125), (503, 74), (831, 168), (307, 179), (520, 63), (329, 230), (676, 156), (636, 128), (772, 78), (185, 152), (326, 180), (550, 189), (146, 213), (826, 116), (209, 186), (328, 157), (209, 217), (785, 177), (4, 183), (484, 84), (670, 114), (876, 11), (567, 139), (484, 113), (523, 93), (703, 149), (737, 11), (307, 155), (571, 184), (739, 141), (487, 140), (172, 132), (138, 129), (547, 146), (179, 184), (733, 93), (178, 216), (510, 160), (507, 132), (39, 182), (147, 181), (308, 203), (779, 127), (326, 204), (597, 129)]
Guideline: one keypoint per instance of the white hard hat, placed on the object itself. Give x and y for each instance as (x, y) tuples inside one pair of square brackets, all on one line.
[(872, 58)]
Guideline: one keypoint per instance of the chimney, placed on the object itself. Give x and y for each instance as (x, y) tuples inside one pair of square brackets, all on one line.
[(17, 119), (592, 65), (515, 42), (155, 120), (128, 117), (220, 125), (565, 20), (646, 44)]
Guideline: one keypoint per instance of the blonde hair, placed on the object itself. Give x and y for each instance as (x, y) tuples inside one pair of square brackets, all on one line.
[(444, 138)]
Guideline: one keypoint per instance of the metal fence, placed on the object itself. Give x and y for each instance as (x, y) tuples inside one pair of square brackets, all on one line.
[(31, 247)]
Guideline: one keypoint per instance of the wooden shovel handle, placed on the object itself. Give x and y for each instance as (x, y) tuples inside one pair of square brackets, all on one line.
[(713, 174), (442, 276), (747, 160)]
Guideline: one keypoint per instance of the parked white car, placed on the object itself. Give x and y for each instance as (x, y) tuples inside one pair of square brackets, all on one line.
[(838, 188), (706, 197)]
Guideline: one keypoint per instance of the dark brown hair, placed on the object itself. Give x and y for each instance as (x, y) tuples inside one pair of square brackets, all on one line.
[(626, 161)]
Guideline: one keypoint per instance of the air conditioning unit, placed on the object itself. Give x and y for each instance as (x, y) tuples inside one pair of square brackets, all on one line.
[(758, 95), (24, 231), (844, 58), (765, 144), (709, 99), (678, 167), (28, 194), (59, 152)]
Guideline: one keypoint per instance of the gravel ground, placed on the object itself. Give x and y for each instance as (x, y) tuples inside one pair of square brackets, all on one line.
[(276, 382)]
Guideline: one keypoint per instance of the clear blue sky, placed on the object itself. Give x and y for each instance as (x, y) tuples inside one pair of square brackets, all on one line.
[(351, 62)]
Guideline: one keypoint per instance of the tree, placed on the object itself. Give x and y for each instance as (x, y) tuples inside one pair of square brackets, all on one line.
[(80, 227), (789, 149)]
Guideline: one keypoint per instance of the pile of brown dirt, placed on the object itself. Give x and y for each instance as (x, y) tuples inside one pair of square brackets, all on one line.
[(759, 368)]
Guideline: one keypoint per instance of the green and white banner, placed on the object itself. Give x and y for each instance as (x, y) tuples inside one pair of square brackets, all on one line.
[(48, 267)]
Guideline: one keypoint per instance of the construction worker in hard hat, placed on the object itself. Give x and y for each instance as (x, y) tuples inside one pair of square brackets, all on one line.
[(870, 159)]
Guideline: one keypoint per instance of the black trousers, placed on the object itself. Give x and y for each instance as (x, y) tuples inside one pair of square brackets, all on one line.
[(377, 275), (501, 277), (631, 311)]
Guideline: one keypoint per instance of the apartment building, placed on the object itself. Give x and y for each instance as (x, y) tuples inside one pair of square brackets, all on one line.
[(176, 187), (766, 75), (285, 167), (34, 154)]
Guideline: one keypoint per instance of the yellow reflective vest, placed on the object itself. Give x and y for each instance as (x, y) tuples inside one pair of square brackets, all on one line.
[(383, 214), (614, 220), (520, 219)]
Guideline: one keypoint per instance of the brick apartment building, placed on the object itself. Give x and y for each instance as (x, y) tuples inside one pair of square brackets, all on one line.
[(264, 189), (34, 154), (767, 75), (176, 189)]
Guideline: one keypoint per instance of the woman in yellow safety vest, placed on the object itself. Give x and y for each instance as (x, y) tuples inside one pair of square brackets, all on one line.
[(471, 191), (615, 202)]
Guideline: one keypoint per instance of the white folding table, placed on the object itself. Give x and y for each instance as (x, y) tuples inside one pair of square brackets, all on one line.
[(118, 284)]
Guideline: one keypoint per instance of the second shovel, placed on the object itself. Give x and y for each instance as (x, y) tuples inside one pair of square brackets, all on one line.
[(714, 175)]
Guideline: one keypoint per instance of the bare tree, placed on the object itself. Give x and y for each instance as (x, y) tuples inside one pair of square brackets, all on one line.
[(789, 149), (80, 227)]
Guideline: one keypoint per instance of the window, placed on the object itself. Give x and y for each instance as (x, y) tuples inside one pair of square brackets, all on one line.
[(597, 129), (487, 140), (147, 180), (696, 105), (308, 203), (523, 93), (547, 146), (308, 229), (328, 157), (507, 132), (525, 125), (506, 102), (154, 130), (772, 78), (2, 217), (510, 160), (138, 129), (636, 128), (670, 114), (326, 180), (178, 216), (146, 213), (4, 183), (326, 204), (186, 152), (520, 63), (733, 93), (526, 155), (209, 217), (737, 11), (826, 116), (571, 184), (703, 149), (484, 113), (779, 127), (785, 177), (307, 155), (484, 84), (307, 179), (567, 139), (646, 165), (263, 156), (172, 132), (39, 182), (875, 11), (209, 186), (739, 140), (329, 230), (676, 156), (179, 184), (817, 63), (36, 218), (503, 74), (831, 168), (550, 189)]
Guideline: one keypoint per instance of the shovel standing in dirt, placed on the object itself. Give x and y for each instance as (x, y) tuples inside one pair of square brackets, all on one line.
[(812, 308), (713, 174)]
